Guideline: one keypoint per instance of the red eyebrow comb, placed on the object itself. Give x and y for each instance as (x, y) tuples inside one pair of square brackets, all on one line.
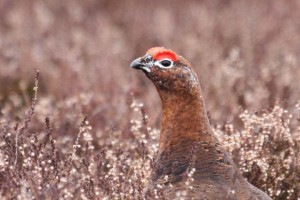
[(159, 53)]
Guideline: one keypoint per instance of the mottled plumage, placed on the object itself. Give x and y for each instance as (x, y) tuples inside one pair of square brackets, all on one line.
[(186, 139)]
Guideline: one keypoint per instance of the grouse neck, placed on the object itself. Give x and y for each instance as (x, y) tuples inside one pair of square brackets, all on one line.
[(184, 117)]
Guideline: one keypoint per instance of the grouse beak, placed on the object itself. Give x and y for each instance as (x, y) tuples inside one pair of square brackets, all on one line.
[(137, 64)]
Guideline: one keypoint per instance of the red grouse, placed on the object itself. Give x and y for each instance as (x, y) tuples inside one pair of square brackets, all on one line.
[(186, 130)]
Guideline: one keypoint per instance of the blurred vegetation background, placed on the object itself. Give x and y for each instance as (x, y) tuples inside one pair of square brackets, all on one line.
[(246, 53), (247, 57)]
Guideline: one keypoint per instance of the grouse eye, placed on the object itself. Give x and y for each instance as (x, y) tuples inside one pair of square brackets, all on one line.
[(166, 63)]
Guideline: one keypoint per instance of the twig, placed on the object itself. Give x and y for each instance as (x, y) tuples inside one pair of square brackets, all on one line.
[(30, 113)]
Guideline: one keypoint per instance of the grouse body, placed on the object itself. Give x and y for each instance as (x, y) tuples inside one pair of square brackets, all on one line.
[(186, 139)]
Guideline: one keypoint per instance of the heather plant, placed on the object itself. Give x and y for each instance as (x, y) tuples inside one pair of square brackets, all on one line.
[(267, 150), (37, 164)]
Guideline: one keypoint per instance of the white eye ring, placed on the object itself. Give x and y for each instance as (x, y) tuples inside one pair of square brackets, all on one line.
[(165, 63)]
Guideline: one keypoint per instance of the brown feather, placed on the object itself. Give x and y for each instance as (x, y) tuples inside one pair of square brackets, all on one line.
[(187, 140)]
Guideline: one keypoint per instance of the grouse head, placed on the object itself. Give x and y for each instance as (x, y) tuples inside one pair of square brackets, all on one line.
[(167, 70)]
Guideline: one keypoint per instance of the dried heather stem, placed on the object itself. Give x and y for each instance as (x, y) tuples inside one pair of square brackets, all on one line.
[(30, 113)]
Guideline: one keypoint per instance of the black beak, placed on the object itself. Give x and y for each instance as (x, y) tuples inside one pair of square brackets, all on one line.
[(137, 64)]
